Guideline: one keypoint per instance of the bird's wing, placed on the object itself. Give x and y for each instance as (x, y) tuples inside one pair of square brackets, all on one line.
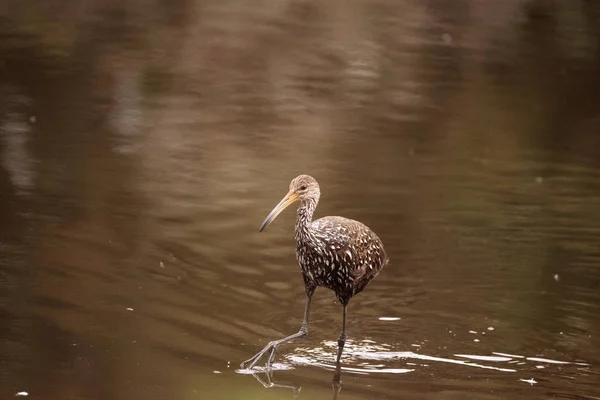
[(354, 245)]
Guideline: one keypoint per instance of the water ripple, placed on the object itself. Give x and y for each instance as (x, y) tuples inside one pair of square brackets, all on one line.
[(366, 357)]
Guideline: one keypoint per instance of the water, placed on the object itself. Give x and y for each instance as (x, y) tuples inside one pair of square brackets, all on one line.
[(143, 143)]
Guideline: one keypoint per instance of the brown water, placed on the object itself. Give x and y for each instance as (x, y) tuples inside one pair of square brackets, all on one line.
[(143, 142)]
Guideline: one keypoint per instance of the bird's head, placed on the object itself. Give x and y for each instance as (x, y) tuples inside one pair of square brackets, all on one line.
[(303, 188)]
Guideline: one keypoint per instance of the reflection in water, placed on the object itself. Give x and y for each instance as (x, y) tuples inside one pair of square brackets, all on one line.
[(15, 129), (366, 351), (267, 382)]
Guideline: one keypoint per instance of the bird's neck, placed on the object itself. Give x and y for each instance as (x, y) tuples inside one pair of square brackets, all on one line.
[(304, 218)]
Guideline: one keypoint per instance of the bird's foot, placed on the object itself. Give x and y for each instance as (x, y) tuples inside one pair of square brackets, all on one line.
[(251, 362), (272, 347)]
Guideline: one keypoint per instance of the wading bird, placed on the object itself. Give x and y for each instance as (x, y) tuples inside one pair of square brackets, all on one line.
[(335, 252)]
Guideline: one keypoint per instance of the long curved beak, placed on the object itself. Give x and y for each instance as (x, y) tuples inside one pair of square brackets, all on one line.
[(286, 201)]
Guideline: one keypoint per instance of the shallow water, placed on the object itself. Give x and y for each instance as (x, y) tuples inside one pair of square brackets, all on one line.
[(143, 143)]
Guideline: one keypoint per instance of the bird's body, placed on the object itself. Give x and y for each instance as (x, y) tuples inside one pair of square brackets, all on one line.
[(340, 254), (334, 252)]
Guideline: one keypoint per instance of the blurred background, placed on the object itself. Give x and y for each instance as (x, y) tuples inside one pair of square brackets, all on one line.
[(142, 142)]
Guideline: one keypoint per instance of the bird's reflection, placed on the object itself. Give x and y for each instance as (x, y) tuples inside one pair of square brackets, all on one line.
[(268, 382), (336, 382)]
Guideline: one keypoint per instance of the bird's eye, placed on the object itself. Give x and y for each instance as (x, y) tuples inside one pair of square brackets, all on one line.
[(303, 187)]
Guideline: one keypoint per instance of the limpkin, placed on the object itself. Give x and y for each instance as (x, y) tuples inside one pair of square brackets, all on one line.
[(335, 252)]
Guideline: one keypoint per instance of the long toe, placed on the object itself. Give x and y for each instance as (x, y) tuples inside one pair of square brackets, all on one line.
[(271, 357), (249, 363), (243, 363), (254, 360)]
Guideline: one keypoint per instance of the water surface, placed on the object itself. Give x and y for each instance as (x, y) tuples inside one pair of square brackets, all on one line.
[(143, 143)]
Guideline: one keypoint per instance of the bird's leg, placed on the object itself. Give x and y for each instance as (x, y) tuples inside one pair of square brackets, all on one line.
[(342, 338), (272, 346)]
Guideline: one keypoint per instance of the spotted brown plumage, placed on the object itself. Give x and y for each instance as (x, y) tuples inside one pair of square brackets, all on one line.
[(334, 252), (342, 255)]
